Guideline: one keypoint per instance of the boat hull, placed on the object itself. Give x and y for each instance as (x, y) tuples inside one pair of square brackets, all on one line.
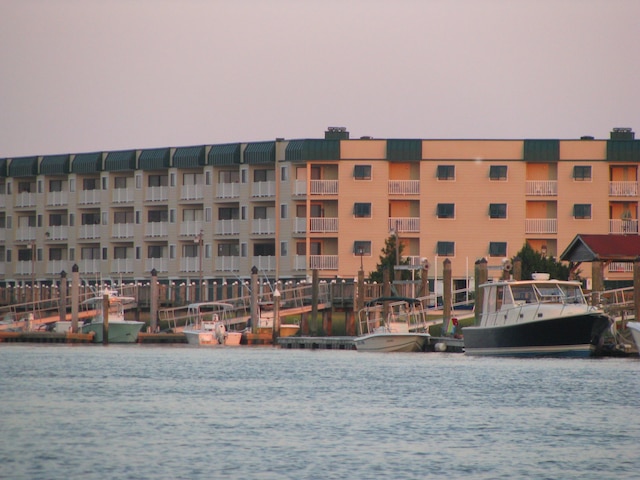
[(391, 342), (634, 328), (119, 332), (573, 336), (201, 337)]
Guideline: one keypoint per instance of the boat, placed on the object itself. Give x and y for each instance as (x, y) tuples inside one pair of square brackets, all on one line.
[(403, 330), (207, 324), (120, 330), (634, 328), (538, 317), (265, 321)]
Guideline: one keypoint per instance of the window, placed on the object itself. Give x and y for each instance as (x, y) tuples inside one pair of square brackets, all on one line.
[(138, 182), (190, 250), (284, 210), (207, 178), (446, 210), (90, 184), (207, 214), (582, 173), (362, 247), (498, 210), (283, 249), (445, 248), (90, 219), (154, 251), (90, 253), (228, 250), (172, 180), (122, 217), (55, 185), (260, 213), (158, 180), (263, 175), (582, 210), (105, 183), (362, 210), (498, 249), (190, 179), (39, 186), (446, 172), (362, 172), (24, 187), (57, 219), (264, 250), (55, 254), (154, 216), (227, 213), (498, 172), (120, 182), (244, 249), (284, 173), (229, 176), (119, 253)]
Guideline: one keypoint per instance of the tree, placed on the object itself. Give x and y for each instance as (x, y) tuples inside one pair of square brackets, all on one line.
[(535, 262), (388, 261)]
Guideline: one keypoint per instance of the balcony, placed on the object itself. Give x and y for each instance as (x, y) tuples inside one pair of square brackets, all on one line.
[(58, 232), (191, 227), (3, 201), (190, 264), (160, 264), (623, 227), (3, 269), (323, 262), (404, 187), (623, 189), (89, 197), (300, 187), (620, 267), (227, 190), (25, 234), (122, 230), (122, 195), (156, 194), (264, 263), (89, 266), (24, 267), (323, 225), (542, 188), (156, 229), (54, 267), (324, 187), (228, 264), (263, 226), (89, 231), (228, 227), (122, 265), (3, 237), (26, 199), (541, 225), (57, 199), (263, 189), (404, 224), (300, 225), (192, 192)]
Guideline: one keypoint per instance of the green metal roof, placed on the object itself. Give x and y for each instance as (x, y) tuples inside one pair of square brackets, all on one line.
[(623, 150), (154, 159), (541, 150), (23, 167), (404, 150), (188, 157), (120, 161), (227, 154), (260, 153), (87, 163), (55, 165), (312, 149), (3, 167)]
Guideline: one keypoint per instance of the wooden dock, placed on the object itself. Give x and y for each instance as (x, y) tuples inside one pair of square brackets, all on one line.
[(45, 337), (434, 344)]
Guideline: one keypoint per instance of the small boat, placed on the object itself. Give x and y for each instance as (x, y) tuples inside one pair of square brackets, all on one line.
[(538, 317), (120, 330), (403, 330), (634, 328), (265, 321), (206, 324)]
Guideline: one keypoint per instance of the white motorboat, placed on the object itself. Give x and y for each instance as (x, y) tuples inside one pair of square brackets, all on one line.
[(538, 317), (265, 321), (120, 330), (634, 328), (206, 324), (404, 329)]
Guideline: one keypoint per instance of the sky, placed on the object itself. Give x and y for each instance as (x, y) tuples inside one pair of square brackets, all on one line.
[(102, 75)]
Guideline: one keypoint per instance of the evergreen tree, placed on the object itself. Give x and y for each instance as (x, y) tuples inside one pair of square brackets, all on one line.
[(388, 261), (535, 262)]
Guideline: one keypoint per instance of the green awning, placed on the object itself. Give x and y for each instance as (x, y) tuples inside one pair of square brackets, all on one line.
[(541, 150), (260, 153), (404, 150), (23, 167), (312, 149), (154, 159), (188, 157), (228, 154), (87, 163), (120, 161), (55, 165), (3, 167), (623, 150)]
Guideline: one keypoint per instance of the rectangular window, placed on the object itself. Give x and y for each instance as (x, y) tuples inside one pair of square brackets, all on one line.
[(207, 178), (227, 213), (90, 184), (120, 182), (138, 182), (283, 249), (362, 247), (244, 177), (446, 210), (498, 249), (260, 175), (244, 249), (207, 214), (243, 212), (284, 173), (362, 210), (154, 251), (172, 251), (446, 172), (362, 172), (72, 254), (39, 186), (119, 253), (284, 211), (172, 180), (55, 185), (158, 180), (498, 172), (172, 216), (582, 173), (445, 248), (259, 213), (582, 210), (229, 176), (228, 250), (105, 183), (72, 185), (138, 253), (498, 210), (157, 216)]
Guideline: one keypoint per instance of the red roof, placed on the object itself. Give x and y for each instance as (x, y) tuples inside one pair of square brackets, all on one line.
[(604, 247)]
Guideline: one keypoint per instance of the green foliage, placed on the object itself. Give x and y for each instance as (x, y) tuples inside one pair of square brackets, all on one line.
[(535, 262), (388, 261)]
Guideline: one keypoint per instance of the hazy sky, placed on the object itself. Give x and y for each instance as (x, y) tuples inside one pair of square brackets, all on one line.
[(92, 75)]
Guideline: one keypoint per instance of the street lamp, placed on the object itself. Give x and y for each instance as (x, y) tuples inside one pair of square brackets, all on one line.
[(361, 253), (32, 245), (199, 240)]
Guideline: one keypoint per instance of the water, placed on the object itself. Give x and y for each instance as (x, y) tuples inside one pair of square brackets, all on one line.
[(177, 412)]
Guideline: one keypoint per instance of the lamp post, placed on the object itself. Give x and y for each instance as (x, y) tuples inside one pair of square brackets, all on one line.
[(32, 245), (200, 241), (361, 254)]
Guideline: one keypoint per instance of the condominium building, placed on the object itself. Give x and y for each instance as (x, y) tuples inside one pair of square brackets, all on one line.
[(289, 207)]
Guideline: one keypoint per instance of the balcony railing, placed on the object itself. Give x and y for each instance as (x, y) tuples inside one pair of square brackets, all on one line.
[(3, 201), (300, 225), (228, 264), (190, 264), (404, 225), (24, 267), (228, 227), (299, 262), (541, 225), (404, 187), (122, 195), (623, 189), (26, 199), (300, 187), (227, 190), (190, 227), (156, 229), (58, 232), (89, 231), (25, 234), (192, 192), (122, 265), (54, 267), (160, 264), (265, 263), (263, 189), (156, 194), (323, 224), (56, 199), (89, 197), (122, 230), (324, 187), (620, 267), (542, 187), (263, 226), (3, 237), (323, 262), (89, 266), (622, 227)]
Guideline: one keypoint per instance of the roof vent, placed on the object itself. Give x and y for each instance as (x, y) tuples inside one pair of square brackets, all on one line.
[(622, 133), (336, 133), (586, 137)]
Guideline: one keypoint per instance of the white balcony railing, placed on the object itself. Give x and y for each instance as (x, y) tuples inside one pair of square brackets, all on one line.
[(620, 267), (324, 187), (26, 199), (156, 194), (406, 225), (122, 230), (541, 225), (228, 227), (89, 231), (542, 187), (58, 232), (263, 189), (622, 227), (3, 237), (323, 262), (623, 189), (54, 267), (227, 190), (160, 264), (263, 226), (3, 201), (3, 269), (122, 195), (323, 224), (56, 199), (89, 266), (265, 263), (89, 197), (25, 234), (300, 187), (227, 264), (192, 192), (190, 264), (122, 265), (300, 225), (299, 262), (191, 227), (156, 229), (404, 187)]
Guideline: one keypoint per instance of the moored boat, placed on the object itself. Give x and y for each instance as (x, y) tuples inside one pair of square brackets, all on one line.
[(634, 328), (538, 317), (120, 330), (206, 324)]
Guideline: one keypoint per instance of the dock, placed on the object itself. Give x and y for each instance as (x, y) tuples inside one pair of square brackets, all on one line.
[(434, 344), (45, 337)]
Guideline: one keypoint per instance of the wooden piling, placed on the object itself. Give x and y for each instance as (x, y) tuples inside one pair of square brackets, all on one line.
[(105, 319), (481, 276), (446, 295)]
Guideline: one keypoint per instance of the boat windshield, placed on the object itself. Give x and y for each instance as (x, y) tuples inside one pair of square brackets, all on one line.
[(559, 293)]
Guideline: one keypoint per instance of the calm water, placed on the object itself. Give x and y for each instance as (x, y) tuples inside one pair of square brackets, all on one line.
[(157, 412)]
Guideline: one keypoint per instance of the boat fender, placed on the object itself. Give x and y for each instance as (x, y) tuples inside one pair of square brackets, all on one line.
[(440, 347)]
